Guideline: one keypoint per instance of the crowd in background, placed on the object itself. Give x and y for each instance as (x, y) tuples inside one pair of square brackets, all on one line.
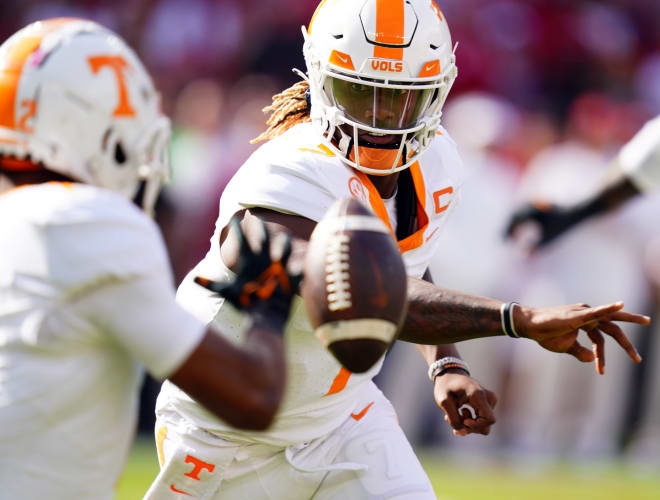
[(547, 91)]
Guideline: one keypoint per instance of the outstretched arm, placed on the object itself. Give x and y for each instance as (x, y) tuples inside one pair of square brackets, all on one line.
[(546, 221), (437, 315), (441, 316)]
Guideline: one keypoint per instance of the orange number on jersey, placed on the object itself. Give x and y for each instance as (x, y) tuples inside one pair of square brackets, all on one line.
[(30, 107), (118, 65), (340, 381)]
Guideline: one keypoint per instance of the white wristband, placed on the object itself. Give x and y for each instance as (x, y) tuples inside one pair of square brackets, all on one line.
[(439, 366), (506, 317)]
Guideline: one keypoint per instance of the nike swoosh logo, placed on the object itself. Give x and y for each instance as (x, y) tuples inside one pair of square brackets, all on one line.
[(431, 235), (429, 67), (179, 491), (358, 416), (342, 59)]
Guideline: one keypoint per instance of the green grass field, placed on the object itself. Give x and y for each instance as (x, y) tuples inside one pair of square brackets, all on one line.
[(452, 481)]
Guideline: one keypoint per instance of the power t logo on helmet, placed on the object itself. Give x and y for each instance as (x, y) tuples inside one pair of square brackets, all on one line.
[(379, 74)]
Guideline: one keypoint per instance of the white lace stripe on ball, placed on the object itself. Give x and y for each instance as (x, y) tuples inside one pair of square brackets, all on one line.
[(363, 328)]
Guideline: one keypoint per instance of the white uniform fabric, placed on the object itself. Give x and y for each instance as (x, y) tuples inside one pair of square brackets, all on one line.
[(295, 174), (640, 157), (86, 296), (367, 456)]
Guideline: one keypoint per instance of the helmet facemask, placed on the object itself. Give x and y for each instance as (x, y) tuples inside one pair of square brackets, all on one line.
[(352, 108)]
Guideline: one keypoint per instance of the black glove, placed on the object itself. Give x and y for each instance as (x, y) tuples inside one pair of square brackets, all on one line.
[(262, 286), (547, 220)]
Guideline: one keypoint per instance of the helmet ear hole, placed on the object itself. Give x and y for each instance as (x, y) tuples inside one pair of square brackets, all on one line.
[(120, 155)]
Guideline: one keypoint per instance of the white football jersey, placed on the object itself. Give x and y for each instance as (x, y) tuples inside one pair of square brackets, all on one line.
[(296, 174), (86, 298), (640, 157)]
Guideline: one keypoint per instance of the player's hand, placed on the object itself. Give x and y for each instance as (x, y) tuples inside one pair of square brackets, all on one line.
[(556, 329), (453, 390), (537, 224), (262, 284)]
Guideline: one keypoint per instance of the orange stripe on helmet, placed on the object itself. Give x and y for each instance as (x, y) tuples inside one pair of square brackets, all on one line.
[(390, 27), (437, 10), (13, 60)]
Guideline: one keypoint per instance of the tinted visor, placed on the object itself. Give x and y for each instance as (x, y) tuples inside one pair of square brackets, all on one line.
[(379, 107)]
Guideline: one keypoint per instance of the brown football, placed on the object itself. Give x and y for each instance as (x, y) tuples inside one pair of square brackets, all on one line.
[(355, 285)]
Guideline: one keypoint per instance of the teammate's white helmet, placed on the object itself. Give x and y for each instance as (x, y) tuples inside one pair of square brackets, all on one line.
[(75, 99), (378, 67)]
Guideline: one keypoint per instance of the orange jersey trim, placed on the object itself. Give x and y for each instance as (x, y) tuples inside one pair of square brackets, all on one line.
[(339, 382), (416, 239), (375, 200)]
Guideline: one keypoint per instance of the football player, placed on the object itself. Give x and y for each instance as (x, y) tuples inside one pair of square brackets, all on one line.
[(365, 122), (635, 170), (86, 293)]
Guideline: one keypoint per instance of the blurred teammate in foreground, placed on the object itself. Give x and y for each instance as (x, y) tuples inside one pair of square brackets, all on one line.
[(378, 74), (635, 170), (86, 293)]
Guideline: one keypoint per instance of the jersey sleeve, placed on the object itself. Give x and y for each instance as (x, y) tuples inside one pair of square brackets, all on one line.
[(272, 178), (640, 158), (109, 261), (142, 316)]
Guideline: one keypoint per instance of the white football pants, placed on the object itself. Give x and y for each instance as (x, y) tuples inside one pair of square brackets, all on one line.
[(367, 457)]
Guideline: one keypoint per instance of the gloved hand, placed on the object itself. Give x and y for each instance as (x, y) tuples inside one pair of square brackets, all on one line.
[(262, 286), (542, 223)]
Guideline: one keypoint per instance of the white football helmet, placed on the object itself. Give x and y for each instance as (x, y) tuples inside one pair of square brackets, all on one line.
[(378, 67), (75, 99)]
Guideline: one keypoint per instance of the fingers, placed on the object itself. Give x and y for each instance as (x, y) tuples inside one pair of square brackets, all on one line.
[(474, 427), (581, 353), (482, 408), (244, 247), (599, 349), (613, 330), (265, 243), (491, 397), (286, 250), (627, 317), (214, 286), (596, 313), (458, 432), (451, 413)]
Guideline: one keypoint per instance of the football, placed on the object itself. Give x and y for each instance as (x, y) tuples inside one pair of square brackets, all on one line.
[(354, 285)]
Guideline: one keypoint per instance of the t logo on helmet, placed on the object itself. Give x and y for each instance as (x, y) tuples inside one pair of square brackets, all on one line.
[(118, 65)]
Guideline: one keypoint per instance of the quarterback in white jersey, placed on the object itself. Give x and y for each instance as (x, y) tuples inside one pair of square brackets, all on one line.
[(634, 170), (86, 294), (378, 74)]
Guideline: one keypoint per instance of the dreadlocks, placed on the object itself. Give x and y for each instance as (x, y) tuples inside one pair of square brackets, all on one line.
[(289, 108)]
